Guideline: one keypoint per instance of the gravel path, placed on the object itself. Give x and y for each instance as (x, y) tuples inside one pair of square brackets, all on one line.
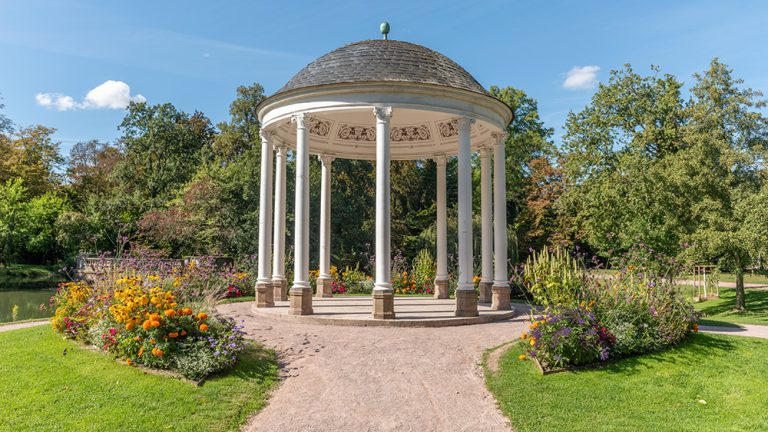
[(378, 379), (9, 327)]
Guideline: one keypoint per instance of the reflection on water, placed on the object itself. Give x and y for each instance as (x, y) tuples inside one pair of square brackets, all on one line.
[(28, 301)]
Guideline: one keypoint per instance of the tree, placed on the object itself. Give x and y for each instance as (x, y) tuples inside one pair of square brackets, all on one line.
[(727, 139), (163, 148), (618, 158), (89, 170), (528, 139), (11, 217), (32, 155)]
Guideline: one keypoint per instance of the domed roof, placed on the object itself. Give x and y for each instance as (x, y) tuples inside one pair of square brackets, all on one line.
[(384, 61)]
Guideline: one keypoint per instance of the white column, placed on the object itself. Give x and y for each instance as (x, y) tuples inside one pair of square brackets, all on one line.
[(278, 254), (486, 276), (466, 300), (301, 292), (465, 207), (324, 288), (441, 275), (264, 296), (382, 291), (501, 289)]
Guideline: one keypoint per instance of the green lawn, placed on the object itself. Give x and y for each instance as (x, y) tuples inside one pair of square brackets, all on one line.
[(44, 390), (719, 311), (748, 278), (16, 276), (655, 392)]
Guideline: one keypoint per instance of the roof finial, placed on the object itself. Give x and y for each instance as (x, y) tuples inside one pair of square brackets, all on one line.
[(384, 28)]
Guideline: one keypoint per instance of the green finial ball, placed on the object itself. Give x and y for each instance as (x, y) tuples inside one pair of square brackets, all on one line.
[(384, 27)]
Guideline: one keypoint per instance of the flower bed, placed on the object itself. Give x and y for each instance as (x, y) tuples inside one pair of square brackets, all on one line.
[(149, 320), (589, 320)]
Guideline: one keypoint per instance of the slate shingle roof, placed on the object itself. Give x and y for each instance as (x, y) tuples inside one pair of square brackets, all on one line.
[(383, 61)]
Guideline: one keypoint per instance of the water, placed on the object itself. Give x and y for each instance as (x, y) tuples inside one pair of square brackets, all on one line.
[(28, 301)]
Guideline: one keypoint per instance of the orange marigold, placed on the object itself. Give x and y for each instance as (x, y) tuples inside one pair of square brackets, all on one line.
[(203, 327), (173, 335), (170, 312)]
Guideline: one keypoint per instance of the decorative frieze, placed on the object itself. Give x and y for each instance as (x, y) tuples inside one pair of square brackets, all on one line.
[(410, 133), (449, 128), (349, 132), (319, 127)]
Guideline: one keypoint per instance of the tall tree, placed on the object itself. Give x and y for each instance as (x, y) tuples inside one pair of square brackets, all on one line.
[(727, 139), (163, 148), (616, 160), (31, 154)]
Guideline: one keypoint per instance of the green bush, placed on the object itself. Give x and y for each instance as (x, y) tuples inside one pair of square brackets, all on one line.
[(553, 278)]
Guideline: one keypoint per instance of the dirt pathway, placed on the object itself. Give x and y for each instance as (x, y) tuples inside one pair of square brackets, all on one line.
[(378, 379), (9, 327)]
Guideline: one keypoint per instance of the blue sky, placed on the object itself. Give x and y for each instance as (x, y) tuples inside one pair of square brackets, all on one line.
[(195, 54)]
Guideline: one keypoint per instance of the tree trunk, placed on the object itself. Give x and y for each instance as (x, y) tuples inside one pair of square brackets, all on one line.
[(740, 302)]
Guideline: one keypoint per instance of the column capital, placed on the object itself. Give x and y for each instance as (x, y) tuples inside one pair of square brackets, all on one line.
[(326, 159), (382, 114), (465, 122), (441, 160), (301, 120), (280, 148), (485, 151), (266, 135), (500, 137)]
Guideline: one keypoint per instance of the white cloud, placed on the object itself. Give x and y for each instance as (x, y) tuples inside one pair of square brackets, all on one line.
[(581, 77), (108, 95), (58, 101)]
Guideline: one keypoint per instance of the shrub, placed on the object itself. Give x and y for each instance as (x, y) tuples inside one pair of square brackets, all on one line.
[(644, 315), (143, 320), (354, 281), (553, 278), (568, 337), (634, 312), (423, 268)]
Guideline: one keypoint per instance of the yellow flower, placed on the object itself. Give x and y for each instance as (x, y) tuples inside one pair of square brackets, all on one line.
[(524, 336), (533, 341), (521, 357)]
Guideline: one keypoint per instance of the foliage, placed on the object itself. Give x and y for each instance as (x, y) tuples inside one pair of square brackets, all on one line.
[(644, 314), (634, 312), (155, 319), (568, 337), (553, 278)]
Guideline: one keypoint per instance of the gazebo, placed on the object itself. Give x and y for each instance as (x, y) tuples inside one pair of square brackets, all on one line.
[(383, 100)]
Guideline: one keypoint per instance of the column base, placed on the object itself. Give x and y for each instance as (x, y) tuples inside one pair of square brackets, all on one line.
[(383, 304), (280, 289), (301, 301), (485, 292), (324, 288), (466, 303), (501, 297), (264, 295), (441, 288)]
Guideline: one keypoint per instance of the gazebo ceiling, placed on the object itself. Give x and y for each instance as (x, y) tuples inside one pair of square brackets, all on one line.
[(427, 91)]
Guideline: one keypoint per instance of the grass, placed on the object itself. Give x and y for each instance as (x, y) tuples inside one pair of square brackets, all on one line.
[(720, 311), (28, 276), (89, 391), (659, 391)]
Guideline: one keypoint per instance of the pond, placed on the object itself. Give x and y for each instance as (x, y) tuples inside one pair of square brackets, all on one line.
[(28, 302)]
